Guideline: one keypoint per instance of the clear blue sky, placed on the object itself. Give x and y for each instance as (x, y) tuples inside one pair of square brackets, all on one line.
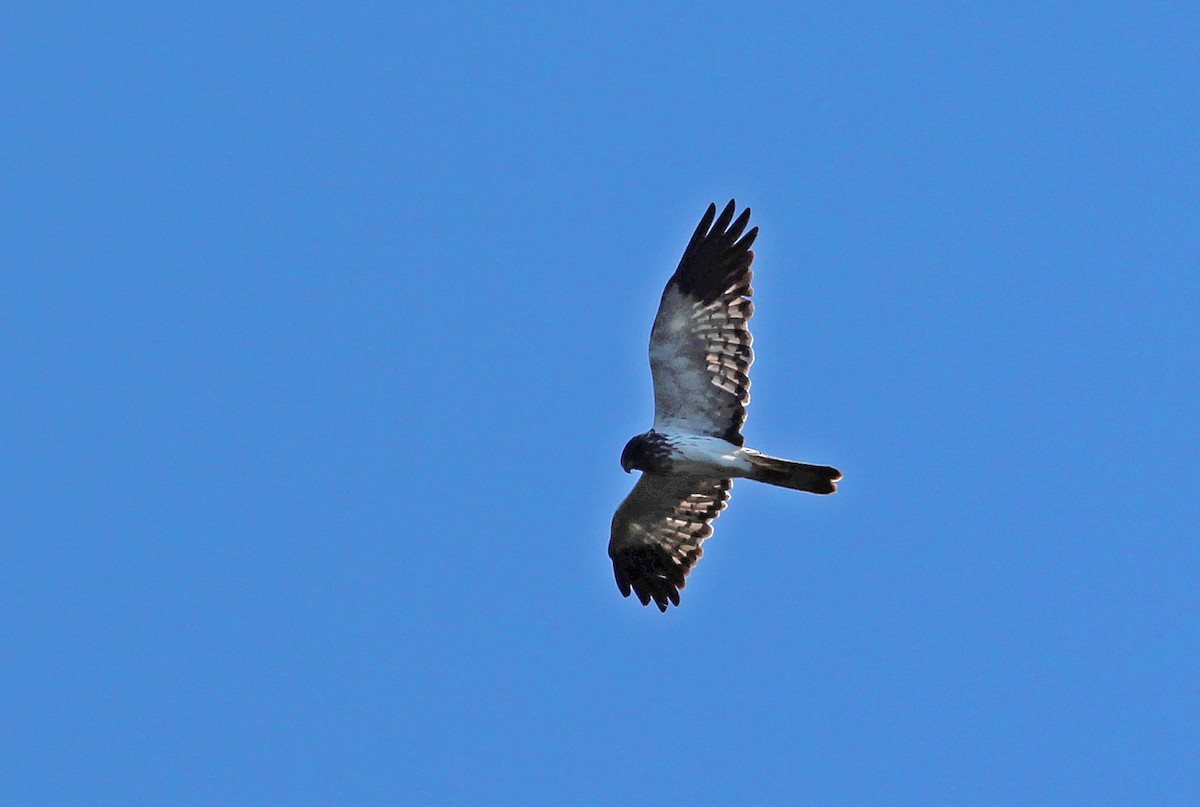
[(324, 328)]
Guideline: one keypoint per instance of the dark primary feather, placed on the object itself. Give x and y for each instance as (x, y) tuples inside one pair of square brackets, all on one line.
[(700, 347), (657, 532), (715, 258)]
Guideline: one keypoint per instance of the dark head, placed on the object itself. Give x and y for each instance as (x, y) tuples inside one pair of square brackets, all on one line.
[(646, 452)]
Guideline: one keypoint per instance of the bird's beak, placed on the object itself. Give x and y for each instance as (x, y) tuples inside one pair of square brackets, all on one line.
[(626, 467)]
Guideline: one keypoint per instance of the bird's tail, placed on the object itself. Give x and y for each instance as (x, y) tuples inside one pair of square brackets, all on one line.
[(795, 475)]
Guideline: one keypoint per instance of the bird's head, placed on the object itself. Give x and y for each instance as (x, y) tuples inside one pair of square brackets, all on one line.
[(631, 456), (639, 453)]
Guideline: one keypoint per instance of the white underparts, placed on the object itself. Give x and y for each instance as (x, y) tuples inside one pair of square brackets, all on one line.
[(707, 456)]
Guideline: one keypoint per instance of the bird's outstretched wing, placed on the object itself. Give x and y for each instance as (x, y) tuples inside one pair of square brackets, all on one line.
[(700, 351), (657, 532)]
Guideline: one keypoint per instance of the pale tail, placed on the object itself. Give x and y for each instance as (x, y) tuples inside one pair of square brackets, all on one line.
[(794, 475)]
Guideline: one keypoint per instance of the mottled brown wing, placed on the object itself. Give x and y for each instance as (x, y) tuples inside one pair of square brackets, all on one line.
[(657, 532), (700, 351)]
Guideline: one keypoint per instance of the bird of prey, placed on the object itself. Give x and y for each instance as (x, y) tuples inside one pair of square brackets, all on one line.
[(699, 357)]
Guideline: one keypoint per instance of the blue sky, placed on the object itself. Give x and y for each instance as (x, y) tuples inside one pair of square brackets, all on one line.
[(324, 328)]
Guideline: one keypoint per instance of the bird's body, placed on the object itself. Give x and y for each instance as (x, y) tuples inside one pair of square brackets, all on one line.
[(690, 455), (700, 357)]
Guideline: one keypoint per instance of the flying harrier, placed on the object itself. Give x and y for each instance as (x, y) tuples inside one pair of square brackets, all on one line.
[(699, 356)]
